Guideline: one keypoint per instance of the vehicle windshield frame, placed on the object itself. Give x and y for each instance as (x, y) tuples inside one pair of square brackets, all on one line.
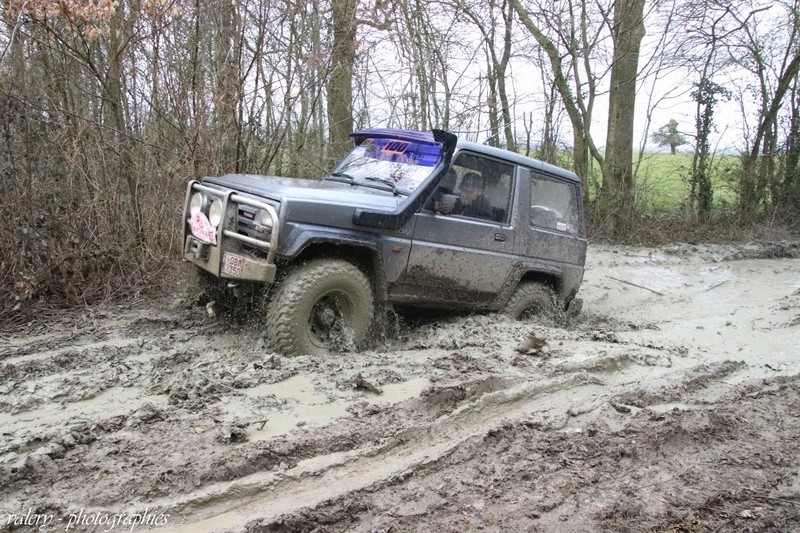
[(395, 165)]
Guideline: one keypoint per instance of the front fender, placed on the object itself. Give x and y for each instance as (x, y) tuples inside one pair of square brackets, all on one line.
[(297, 237)]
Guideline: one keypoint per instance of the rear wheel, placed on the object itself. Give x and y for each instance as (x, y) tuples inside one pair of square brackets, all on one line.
[(320, 307), (532, 299)]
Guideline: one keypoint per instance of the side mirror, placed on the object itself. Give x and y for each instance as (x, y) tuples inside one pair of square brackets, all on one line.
[(445, 203)]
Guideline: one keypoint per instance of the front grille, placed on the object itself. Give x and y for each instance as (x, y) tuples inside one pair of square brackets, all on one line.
[(245, 225)]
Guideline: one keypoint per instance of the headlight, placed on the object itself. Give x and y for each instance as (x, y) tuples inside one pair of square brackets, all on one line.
[(263, 220), (215, 212), (196, 203)]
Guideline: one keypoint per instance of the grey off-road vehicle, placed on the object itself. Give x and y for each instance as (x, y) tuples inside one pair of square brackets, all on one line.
[(407, 219)]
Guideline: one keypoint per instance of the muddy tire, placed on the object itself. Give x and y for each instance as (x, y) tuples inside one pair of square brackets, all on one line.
[(531, 299), (320, 307)]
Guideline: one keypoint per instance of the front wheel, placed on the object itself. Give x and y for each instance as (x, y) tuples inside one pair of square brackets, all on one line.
[(322, 306), (532, 299)]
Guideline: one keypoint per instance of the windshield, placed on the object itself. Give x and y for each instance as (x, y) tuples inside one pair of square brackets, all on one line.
[(390, 163)]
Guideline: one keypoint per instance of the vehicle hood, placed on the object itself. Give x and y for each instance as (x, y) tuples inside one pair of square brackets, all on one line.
[(282, 189)]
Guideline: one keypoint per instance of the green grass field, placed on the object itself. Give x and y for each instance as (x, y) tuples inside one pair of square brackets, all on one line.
[(662, 180)]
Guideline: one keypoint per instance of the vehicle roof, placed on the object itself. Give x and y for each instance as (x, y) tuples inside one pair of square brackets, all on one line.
[(426, 137), (517, 159)]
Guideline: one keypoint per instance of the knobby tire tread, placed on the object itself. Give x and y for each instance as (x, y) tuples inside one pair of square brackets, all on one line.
[(281, 314), (529, 294)]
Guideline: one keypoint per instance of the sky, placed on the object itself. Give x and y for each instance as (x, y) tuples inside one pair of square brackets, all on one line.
[(663, 100)]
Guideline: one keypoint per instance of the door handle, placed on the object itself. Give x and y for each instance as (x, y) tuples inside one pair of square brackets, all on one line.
[(500, 237)]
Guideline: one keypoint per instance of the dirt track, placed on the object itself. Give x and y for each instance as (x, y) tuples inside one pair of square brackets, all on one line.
[(671, 404)]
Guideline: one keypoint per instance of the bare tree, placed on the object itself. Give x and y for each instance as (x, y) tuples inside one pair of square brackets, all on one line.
[(575, 38), (773, 58), (790, 193), (617, 192), (340, 78), (486, 19), (578, 42)]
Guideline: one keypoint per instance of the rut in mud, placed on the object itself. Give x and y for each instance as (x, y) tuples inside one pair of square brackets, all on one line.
[(670, 404)]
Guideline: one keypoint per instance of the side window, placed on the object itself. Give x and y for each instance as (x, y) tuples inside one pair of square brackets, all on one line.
[(554, 204), (483, 187)]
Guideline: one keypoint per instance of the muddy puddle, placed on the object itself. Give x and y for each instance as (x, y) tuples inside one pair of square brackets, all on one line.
[(670, 404)]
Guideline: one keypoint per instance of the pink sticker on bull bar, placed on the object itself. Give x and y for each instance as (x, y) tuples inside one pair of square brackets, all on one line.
[(202, 228)]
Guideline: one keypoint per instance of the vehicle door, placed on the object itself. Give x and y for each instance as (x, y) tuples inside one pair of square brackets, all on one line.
[(464, 258), (555, 235)]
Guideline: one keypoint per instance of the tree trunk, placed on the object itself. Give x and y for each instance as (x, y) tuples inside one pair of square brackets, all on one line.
[(115, 118), (491, 105), (501, 67), (617, 193), (226, 89), (340, 80)]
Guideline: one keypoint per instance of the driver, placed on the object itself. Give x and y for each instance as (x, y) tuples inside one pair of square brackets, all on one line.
[(471, 201)]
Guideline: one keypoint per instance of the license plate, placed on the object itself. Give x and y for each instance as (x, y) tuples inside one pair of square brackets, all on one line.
[(232, 264)]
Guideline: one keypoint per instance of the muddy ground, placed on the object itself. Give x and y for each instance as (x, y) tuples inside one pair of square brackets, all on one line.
[(672, 403)]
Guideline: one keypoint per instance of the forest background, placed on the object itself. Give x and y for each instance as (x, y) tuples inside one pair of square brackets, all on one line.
[(108, 108)]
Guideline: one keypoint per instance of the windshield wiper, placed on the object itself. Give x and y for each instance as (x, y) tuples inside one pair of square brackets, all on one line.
[(385, 181), (347, 177)]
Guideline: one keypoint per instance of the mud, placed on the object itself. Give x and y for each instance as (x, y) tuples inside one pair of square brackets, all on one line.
[(672, 403)]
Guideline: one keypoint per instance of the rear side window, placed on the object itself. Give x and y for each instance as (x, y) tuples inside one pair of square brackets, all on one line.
[(554, 204)]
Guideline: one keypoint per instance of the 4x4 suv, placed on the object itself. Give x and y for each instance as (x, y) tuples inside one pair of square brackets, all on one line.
[(406, 219)]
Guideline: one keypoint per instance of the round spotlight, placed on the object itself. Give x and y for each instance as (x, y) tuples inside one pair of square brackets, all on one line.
[(215, 212), (263, 220), (196, 203)]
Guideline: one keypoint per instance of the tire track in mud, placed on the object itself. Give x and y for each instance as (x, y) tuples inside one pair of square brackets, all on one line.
[(473, 409), (730, 466), (333, 477), (545, 405)]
